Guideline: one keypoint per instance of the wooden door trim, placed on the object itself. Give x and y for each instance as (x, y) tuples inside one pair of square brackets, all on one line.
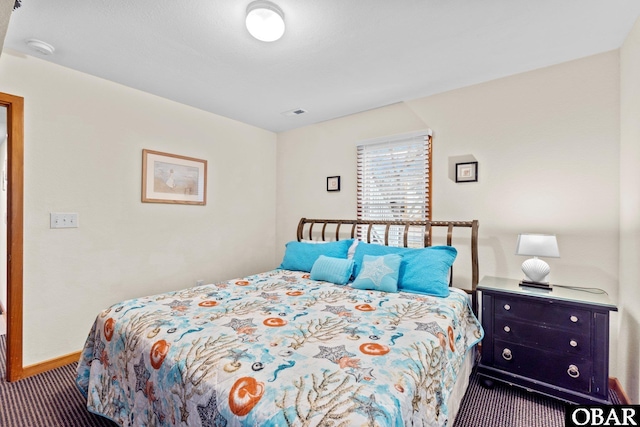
[(15, 223)]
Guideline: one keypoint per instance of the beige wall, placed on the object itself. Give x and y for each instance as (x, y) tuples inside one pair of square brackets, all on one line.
[(628, 358), (83, 150), (6, 6), (547, 143)]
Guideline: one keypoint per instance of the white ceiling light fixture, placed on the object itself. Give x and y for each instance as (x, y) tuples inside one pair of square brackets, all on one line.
[(265, 21), (40, 47)]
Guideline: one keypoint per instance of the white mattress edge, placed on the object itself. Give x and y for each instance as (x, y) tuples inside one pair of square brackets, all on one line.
[(461, 385)]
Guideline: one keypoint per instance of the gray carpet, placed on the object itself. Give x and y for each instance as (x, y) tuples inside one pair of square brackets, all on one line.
[(46, 400), (52, 400), (506, 406)]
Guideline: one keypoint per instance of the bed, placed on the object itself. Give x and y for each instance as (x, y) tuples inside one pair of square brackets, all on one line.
[(295, 346)]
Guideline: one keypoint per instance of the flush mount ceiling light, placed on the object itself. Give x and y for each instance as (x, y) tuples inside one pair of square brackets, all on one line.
[(40, 47), (265, 21)]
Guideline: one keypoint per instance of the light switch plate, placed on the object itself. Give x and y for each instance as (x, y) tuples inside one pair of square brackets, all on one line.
[(64, 220)]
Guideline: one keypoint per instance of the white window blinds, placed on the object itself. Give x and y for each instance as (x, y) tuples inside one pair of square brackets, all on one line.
[(394, 178)]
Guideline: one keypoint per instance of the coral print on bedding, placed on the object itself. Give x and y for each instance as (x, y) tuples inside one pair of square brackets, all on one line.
[(277, 349)]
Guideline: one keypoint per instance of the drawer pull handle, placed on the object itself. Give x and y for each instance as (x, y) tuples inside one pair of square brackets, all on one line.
[(573, 371), (574, 319), (573, 343), (507, 329), (506, 355), (507, 307)]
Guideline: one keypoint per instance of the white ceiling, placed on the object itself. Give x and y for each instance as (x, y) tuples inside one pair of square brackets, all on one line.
[(337, 57)]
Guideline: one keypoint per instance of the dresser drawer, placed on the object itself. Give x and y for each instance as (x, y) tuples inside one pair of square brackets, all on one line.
[(545, 313), (542, 336), (559, 369)]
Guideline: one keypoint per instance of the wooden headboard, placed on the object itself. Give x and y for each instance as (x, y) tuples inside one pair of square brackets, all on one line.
[(400, 232)]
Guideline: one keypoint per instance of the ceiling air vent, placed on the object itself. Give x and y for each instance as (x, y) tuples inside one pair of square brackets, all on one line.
[(294, 112)]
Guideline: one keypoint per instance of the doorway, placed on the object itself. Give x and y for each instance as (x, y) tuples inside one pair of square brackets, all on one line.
[(3, 221), (14, 106)]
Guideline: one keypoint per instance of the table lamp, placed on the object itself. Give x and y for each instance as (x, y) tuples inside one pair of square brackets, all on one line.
[(535, 269)]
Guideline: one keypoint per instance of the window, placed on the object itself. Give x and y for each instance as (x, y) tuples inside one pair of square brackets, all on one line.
[(394, 183)]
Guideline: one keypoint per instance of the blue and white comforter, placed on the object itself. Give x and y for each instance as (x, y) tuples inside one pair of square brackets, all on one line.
[(277, 349)]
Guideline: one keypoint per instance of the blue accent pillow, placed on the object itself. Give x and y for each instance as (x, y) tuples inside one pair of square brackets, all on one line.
[(334, 270), (300, 256), (379, 273), (422, 271)]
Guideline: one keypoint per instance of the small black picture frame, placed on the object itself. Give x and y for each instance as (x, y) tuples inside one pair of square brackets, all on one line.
[(333, 183), (467, 172)]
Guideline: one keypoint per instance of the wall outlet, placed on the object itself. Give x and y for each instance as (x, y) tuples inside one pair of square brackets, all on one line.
[(64, 220), (199, 282)]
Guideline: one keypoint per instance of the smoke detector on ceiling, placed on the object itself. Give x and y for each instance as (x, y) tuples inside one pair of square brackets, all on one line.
[(40, 47), (294, 112)]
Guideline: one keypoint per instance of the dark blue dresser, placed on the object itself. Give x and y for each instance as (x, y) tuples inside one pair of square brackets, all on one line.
[(553, 342)]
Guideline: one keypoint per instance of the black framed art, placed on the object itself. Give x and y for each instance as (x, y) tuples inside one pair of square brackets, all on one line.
[(467, 172), (333, 183)]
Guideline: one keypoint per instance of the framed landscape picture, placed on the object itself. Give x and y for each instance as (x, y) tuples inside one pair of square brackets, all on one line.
[(171, 178)]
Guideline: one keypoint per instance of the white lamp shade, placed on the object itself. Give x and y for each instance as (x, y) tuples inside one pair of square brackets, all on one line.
[(543, 245), (265, 21)]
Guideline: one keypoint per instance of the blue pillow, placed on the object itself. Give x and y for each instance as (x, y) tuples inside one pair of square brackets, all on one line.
[(422, 271), (300, 256), (379, 273), (334, 270)]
